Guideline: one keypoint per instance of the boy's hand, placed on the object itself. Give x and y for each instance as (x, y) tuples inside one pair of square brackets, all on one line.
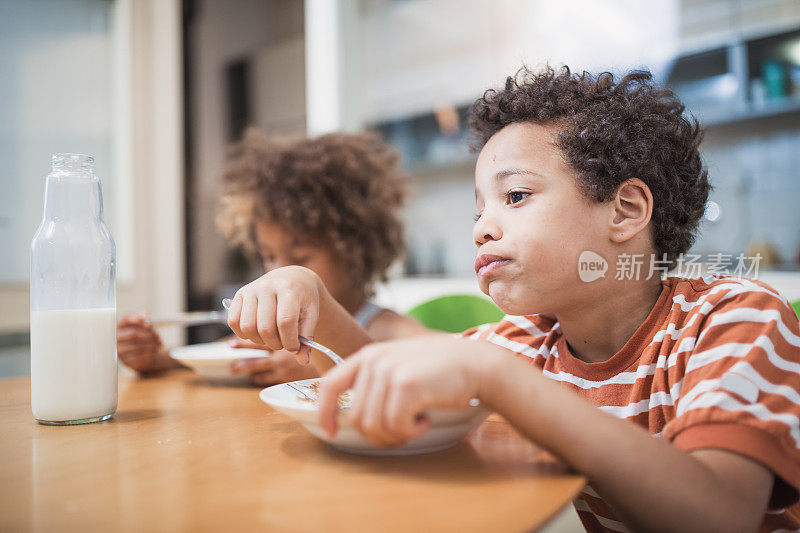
[(395, 382), (279, 367), (277, 308), (138, 344)]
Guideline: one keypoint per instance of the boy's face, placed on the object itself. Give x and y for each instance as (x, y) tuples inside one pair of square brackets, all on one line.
[(533, 223), (278, 248)]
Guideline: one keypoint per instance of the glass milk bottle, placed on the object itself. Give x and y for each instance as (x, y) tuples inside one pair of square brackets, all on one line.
[(73, 300)]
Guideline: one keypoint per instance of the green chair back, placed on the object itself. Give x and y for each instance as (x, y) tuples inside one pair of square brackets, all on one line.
[(456, 313), (796, 306)]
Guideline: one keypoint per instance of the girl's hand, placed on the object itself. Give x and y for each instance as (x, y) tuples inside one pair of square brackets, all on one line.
[(138, 344), (274, 310), (279, 367), (394, 383)]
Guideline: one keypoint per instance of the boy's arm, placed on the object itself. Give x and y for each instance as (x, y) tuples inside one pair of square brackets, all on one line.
[(651, 484)]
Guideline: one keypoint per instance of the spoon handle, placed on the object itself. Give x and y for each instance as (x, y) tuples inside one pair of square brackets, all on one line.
[(327, 351)]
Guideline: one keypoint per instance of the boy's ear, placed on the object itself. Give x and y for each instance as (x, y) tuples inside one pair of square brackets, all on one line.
[(633, 208)]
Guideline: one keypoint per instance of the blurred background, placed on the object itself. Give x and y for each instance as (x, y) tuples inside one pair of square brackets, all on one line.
[(156, 89)]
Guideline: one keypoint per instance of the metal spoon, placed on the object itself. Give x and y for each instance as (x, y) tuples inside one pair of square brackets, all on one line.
[(192, 318), (226, 303)]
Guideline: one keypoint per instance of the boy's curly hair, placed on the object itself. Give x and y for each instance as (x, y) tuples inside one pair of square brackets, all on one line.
[(611, 131), (340, 190)]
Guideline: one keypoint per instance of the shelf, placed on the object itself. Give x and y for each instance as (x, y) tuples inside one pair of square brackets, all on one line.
[(750, 112), (430, 141), (737, 83)]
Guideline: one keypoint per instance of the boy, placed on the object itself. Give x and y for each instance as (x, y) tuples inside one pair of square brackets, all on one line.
[(677, 398)]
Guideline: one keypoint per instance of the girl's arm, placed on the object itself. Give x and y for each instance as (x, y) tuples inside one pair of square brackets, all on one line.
[(388, 325), (283, 304)]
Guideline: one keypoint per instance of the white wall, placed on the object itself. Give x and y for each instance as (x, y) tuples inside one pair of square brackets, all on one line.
[(439, 220), (144, 195), (56, 67), (418, 55), (754, 169)]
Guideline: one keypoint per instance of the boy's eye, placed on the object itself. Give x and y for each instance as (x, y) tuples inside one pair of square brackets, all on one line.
[(476, 217), (514, 197)]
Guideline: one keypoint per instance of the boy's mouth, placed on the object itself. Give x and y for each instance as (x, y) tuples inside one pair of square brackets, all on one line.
[(487, 263)]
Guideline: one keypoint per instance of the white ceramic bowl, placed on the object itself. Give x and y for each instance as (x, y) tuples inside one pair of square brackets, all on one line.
[(448, 427), (212, 360)]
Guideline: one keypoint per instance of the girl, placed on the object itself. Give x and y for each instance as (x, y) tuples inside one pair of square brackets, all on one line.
[(329, 204)]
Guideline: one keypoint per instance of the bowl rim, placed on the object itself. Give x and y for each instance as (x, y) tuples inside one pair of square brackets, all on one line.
[(311, 407), (185, 353)]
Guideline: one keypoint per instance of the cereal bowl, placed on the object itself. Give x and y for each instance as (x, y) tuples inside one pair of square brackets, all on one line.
[(298, 400), (212, 360)]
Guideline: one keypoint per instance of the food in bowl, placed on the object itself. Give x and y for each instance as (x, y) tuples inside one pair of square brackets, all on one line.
[(310, 393)]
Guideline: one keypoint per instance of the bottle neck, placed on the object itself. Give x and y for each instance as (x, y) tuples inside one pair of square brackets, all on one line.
[(72, 163), (72, 190)]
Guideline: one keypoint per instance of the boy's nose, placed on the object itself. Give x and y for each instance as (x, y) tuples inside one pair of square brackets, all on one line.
[(485, 230)]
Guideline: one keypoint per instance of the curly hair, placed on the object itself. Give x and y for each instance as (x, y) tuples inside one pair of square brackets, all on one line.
[(610, 131), (340, 190)]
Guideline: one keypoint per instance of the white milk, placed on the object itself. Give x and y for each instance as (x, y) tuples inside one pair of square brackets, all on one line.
[(73, 364)]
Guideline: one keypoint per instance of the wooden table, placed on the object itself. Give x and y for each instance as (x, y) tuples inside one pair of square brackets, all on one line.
[(180, 454)]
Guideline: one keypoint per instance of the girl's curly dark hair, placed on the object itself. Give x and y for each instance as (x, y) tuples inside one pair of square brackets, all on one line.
[(611, 131), (341, 190)]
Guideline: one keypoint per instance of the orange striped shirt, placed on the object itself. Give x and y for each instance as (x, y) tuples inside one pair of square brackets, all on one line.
[(716, 364)]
